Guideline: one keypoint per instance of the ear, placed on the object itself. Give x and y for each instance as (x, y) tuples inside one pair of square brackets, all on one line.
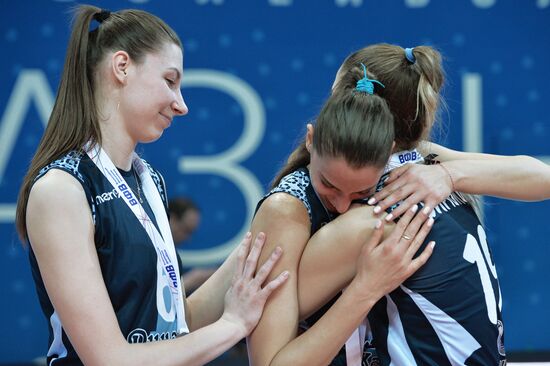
[(309, 137), (120, 61)]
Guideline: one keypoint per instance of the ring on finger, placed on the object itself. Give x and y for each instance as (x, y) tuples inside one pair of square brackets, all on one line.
[(406, 237)]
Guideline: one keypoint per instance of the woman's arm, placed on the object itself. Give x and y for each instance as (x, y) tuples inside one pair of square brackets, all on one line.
[(285, 221), (61, 233), (382, 268), (206, 303), (336, 255), (517, 177), (514, 177)]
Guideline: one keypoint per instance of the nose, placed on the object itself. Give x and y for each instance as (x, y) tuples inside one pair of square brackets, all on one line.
[(178, 106), (341, 204)]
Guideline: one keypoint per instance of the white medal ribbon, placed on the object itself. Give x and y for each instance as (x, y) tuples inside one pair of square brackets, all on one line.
[(164, 245), (356, 342)]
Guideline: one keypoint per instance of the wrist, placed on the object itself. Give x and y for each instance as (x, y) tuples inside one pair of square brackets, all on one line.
[(233, 326), (449, 175), (362, 295)]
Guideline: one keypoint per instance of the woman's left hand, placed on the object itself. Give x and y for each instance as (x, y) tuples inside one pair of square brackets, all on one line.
[(246, 298), (412, 184)]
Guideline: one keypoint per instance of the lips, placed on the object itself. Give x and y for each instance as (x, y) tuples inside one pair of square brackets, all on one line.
[(168, 119)]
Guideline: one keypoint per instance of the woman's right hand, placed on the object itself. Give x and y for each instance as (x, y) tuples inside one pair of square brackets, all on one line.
[(385, 264), (246, 298)]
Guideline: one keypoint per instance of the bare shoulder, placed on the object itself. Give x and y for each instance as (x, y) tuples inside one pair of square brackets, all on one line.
[(57, 207), (358, 215), (284, 207), (56, 184), (285, 221), (357, 222)]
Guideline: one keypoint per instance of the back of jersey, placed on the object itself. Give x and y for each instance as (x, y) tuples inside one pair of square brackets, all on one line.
[(449, 311)]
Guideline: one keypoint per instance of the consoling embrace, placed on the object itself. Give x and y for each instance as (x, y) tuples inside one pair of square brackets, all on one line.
[(408, 281), (403, 301)]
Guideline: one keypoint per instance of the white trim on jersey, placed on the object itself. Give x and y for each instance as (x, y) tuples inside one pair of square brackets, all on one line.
[(57, 347), (398, 348), (456, 341)]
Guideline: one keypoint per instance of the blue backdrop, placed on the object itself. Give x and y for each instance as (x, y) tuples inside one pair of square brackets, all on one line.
[(254, 73)]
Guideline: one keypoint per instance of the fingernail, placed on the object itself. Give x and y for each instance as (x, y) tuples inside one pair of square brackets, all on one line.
[(430, 222), (286, 274), (371, 201), (378, 224), (248, 234), (414, 208), (426, 210), (432, 244), (389, 217), (278, 250), (377, 209)]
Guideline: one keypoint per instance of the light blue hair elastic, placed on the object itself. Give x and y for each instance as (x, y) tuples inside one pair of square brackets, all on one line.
[(366, 85), (409, 55)]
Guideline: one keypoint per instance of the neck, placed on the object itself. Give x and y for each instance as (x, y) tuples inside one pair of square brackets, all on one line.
[(115, 139), (117, 143)]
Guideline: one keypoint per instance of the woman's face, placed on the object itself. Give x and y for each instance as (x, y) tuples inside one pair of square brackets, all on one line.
[(338, 184), (152, 96)]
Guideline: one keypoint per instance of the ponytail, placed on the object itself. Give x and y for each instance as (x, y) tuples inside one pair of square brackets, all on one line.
[(74, 120), (412, 88)]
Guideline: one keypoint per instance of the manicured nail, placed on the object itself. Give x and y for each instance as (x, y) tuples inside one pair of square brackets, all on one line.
[(278, 250), (286, 274), (430, 222), (426, 210), (389, 217), (371, 201), (378, 224), (432, 244), (377, 209), (414, 208)]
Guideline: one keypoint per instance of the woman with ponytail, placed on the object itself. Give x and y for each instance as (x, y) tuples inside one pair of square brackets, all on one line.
[(94, 213), (332, 163), (448, 311)]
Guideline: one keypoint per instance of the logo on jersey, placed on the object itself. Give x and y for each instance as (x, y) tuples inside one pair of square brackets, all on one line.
[(408, 156), (370, 357), (140, 335), (107, 196)]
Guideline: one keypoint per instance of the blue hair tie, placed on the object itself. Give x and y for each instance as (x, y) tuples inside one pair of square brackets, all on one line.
[(366, 85), (409, 55)]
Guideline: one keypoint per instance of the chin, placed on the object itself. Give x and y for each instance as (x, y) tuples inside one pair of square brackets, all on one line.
[(151, 137)]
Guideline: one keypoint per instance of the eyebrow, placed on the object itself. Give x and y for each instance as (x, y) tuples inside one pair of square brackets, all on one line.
[(326, 181)]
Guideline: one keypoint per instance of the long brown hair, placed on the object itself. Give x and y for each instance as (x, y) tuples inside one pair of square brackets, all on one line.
[(412, 89), (74, 120), (354, 125)]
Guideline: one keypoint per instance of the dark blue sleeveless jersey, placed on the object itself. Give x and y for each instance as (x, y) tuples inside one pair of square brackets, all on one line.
[(448, 312), (127, 258)]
